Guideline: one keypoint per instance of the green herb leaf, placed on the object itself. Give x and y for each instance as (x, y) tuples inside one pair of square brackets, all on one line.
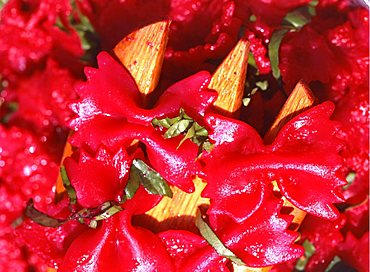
[(300, 16), (91, 216), (215, 242), (86, 216), (350, 178), (333, 262), (112, 210), (107, 213), (189, 135), (149, 178), (40, 217), (312, 7), (246, 101), (206, 145), (273, 49), (2, 3), (166, 122), (177, 128), (293, 21), (296, 19), (309, 251), (252, 61), (185, 125), (68, 186), (262, 85), (252, 18), (132, 185)]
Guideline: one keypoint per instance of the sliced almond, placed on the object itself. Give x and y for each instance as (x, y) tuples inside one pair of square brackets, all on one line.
[(142, 53), (229, 79)]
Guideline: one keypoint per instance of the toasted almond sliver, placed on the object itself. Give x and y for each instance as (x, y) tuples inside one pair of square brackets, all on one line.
[(142, 53), (229, 79)]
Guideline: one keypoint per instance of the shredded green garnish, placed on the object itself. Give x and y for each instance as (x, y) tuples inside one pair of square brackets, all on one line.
[(184, 125), (212, 239)]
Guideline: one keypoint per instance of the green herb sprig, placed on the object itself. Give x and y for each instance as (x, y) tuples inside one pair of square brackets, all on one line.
[(212, 239), (143, 174), (185, 125), (140, 173)]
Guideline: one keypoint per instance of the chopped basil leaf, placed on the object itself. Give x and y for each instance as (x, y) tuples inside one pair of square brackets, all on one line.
[(177, 128), (262, 85), (309, 251), (300, 16), (333, 262), (68, 186), (112, 210), (108, 213), (206, 145), (91, 216), (86, 216), (252, 18), (252, 61), (149, 178), (296, 19), (166, 122), (183, 124), (273, 49), (40, 217), (13, 106), (189, 135), (246, 101), (293, 21), (2, 3), (132, 185), (208, 234), (83, 27), (311, 8), (350, 179)]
